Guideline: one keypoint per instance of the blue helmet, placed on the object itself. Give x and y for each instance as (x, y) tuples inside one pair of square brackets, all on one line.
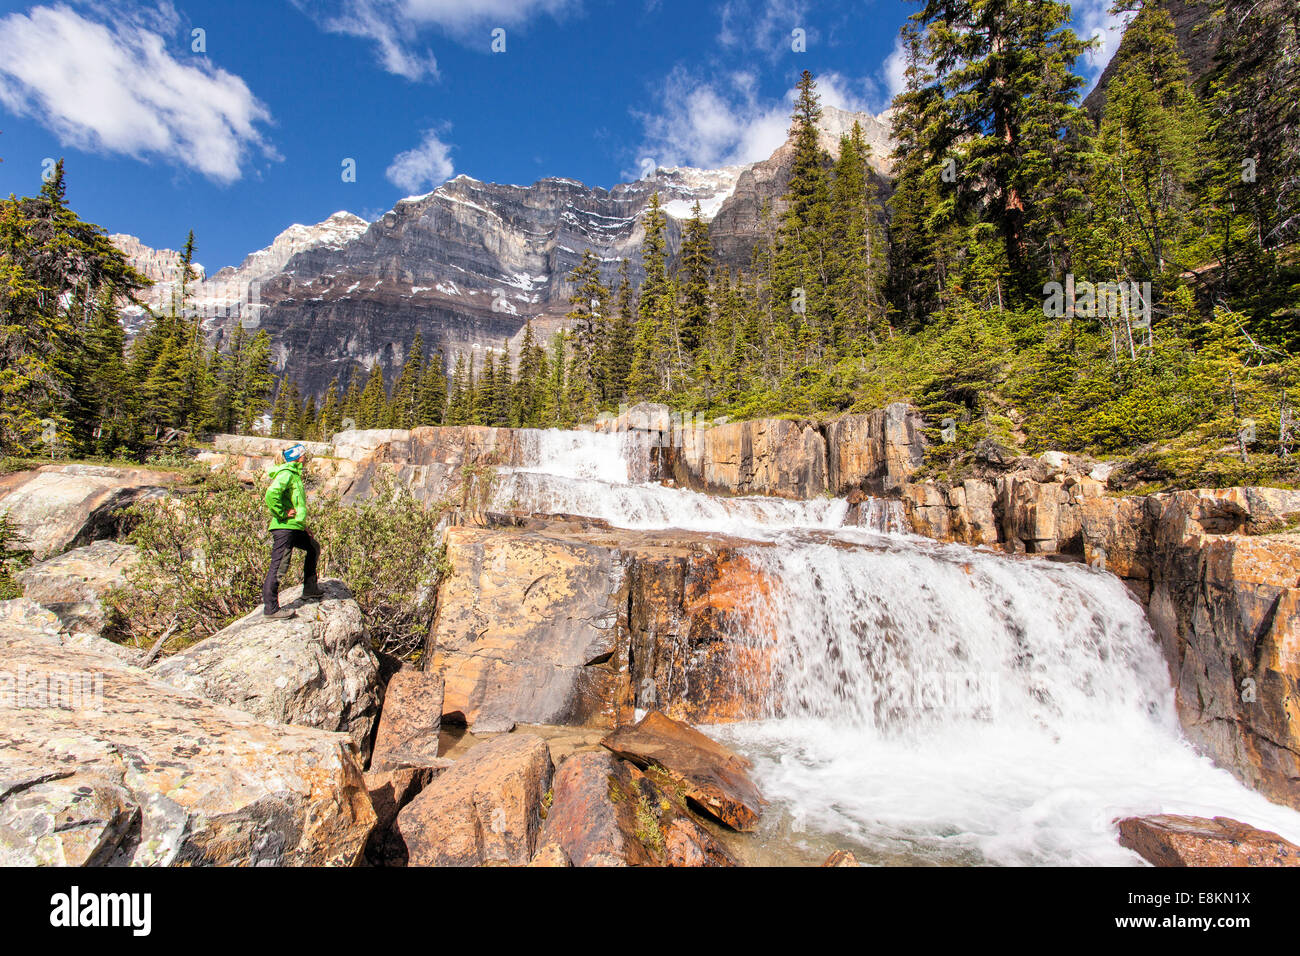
[(294, 452)]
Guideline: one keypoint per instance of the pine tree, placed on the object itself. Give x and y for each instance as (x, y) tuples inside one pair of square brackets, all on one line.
[(373, 405), (330, 414), (648, 376), (1009, 117), (801, 277), (589, 304), (406, 391), (695, 277), (433, 392), (856, 248), (1150, 147)]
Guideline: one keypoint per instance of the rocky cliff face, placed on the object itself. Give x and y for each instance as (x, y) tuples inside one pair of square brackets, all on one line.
[(1198, 38)]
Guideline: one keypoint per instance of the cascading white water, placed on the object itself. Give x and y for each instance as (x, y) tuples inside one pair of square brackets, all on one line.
[(927, 703), (601, 475)]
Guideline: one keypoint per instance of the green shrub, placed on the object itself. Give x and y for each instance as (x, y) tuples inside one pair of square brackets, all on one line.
[(386, 549), (203, 558), (13, 558)]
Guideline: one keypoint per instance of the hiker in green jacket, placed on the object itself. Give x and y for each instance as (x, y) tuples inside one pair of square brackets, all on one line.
[(287, 501)]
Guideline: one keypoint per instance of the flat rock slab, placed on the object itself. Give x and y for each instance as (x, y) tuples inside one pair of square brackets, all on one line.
[(61, 506), (714, 778), (484, 810), (410, 721), (315, 670), (1172, 840), (38, 623), (136, 772)]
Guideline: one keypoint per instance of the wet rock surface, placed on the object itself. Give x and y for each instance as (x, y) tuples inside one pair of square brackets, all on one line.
[(1171, 840), (709, 775)]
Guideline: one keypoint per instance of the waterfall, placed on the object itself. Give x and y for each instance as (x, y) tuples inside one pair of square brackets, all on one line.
[(604, 475), (925, 703)]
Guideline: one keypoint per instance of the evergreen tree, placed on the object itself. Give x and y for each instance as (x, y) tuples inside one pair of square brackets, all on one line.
[(373, 406), (433, 392), (589, 303), (1008, 117), (695, 277)]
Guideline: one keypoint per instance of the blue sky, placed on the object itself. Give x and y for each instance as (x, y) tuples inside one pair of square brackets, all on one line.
[(248, 135)]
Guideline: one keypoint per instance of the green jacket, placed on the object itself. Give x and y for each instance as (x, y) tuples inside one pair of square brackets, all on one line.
[(287, 491)]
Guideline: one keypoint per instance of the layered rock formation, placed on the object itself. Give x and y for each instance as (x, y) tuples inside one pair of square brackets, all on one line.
[(768, 456), (876, 452), (1223, 599), (561, 626), (469, 263)]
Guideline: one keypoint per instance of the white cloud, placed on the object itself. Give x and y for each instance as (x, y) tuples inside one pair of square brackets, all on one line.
[(893, 71), (115, 87), (710, 125), (423, 168), (764, 25), (1093, 19), (726, 122), (394, 25)]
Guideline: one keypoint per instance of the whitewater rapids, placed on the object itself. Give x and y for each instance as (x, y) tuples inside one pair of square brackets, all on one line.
[(930, 704)]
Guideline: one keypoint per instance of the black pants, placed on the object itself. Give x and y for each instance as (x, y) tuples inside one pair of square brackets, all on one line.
[(282, 542)]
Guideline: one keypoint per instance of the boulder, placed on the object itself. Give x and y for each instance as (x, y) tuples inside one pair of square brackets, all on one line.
[(485, 809), (58, 507), (73, 584), (708, 774), (42, 625), (605, 812), (138, 772), (877, 452), (548, 624), (767, 456), (410, 721), (593, 813), (1171, 840), (316, 669)]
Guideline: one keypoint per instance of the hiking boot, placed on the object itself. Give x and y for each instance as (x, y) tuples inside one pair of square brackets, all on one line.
[(283, 614), (312, 592)]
